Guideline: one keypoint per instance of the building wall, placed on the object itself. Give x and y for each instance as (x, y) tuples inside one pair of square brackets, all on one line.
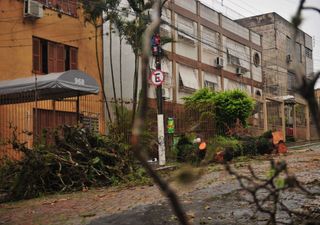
[(280, 41), (16, 61), (200, 35)]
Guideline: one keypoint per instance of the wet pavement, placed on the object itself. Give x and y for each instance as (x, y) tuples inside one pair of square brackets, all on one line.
[(214, 199), (226, 203)]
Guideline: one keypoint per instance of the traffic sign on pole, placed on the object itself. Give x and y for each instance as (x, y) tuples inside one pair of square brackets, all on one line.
[(157, 77)]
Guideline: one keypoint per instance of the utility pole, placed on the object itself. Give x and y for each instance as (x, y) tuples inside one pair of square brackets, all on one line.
[(157, 53)]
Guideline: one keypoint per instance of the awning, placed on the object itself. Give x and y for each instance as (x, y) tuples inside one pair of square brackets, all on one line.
[(54, 86), (211, 78), (288, 99), (188, 77)]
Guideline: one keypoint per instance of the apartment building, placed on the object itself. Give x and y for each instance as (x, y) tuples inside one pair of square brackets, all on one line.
[(286, 51), (48, 69), (287, 54), (209, 50)]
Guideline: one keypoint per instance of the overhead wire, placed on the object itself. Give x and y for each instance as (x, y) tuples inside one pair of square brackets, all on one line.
[(209, 43)]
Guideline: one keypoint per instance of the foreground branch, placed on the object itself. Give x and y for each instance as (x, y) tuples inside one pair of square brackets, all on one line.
[(139, 124)]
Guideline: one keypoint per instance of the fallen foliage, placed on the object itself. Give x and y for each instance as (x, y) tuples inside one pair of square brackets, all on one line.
[(76, 160)]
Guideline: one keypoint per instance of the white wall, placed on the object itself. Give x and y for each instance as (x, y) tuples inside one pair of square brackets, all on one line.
[(187, 4), (232, 26), (209, 14), (127, 65)]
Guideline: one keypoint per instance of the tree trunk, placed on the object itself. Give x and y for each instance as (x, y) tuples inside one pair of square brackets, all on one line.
[(100, 73), (121, 92), (112, 75), (135, 85)]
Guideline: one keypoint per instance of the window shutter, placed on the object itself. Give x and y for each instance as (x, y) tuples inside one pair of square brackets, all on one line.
[(73, 58), (60, 58), (51, 57), (36, 55)]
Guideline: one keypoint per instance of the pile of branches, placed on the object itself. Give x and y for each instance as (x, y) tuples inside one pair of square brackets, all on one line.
[(76, 159)]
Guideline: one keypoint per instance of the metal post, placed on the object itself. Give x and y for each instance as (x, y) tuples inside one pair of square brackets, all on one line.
[(78, 109), (160, 117), (283, 121), (36, 106), (308, 133)]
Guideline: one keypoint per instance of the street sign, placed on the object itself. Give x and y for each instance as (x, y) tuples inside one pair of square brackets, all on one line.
[(157, 77), (170, 125)]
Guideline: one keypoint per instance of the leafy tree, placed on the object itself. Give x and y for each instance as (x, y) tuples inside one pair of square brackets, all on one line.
[(132, 30), (228, 107), (93, 13), (202, 100)]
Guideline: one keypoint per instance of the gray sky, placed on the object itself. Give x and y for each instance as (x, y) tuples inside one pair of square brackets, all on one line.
[(286, 8)]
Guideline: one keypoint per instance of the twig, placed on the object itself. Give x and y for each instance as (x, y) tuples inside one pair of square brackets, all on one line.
[(139, 123)]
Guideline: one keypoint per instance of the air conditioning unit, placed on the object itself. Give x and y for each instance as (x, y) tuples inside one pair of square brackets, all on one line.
[(219, 62), (166, 93), (289, 59), (240, 71), (32, 9)]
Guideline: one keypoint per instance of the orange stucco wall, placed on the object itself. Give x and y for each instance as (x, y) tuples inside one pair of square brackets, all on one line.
[(16, 34)]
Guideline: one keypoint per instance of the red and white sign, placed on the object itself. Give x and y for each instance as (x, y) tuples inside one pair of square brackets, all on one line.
[(157, 77)]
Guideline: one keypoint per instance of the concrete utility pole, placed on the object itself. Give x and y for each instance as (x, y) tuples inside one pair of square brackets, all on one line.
[(157, 53)]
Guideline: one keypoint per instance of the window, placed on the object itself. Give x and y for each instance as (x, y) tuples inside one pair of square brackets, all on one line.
[(298, 52), (186, 30), (188, 80), (65, 6), (50, 57), (308, 53), (291, 81), (232, 59), (211, 81), (288, 45), (212, 86), (256, 59)]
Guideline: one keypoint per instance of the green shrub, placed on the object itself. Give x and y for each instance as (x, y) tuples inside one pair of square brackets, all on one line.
[(225, 108), (230, 106), (221, 143), (201, 101), (264, 145), (267, 134), (186, 150), (249, 146)]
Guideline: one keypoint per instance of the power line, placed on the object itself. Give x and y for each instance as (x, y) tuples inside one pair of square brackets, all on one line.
[(202, 40)]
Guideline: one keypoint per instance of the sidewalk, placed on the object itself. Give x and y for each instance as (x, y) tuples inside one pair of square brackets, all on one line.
[(303, 145)]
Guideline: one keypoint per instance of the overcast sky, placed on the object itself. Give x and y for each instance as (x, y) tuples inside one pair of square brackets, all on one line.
[(286, 8)]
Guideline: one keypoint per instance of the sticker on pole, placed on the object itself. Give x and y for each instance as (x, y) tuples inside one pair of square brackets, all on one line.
[(157, 77)]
